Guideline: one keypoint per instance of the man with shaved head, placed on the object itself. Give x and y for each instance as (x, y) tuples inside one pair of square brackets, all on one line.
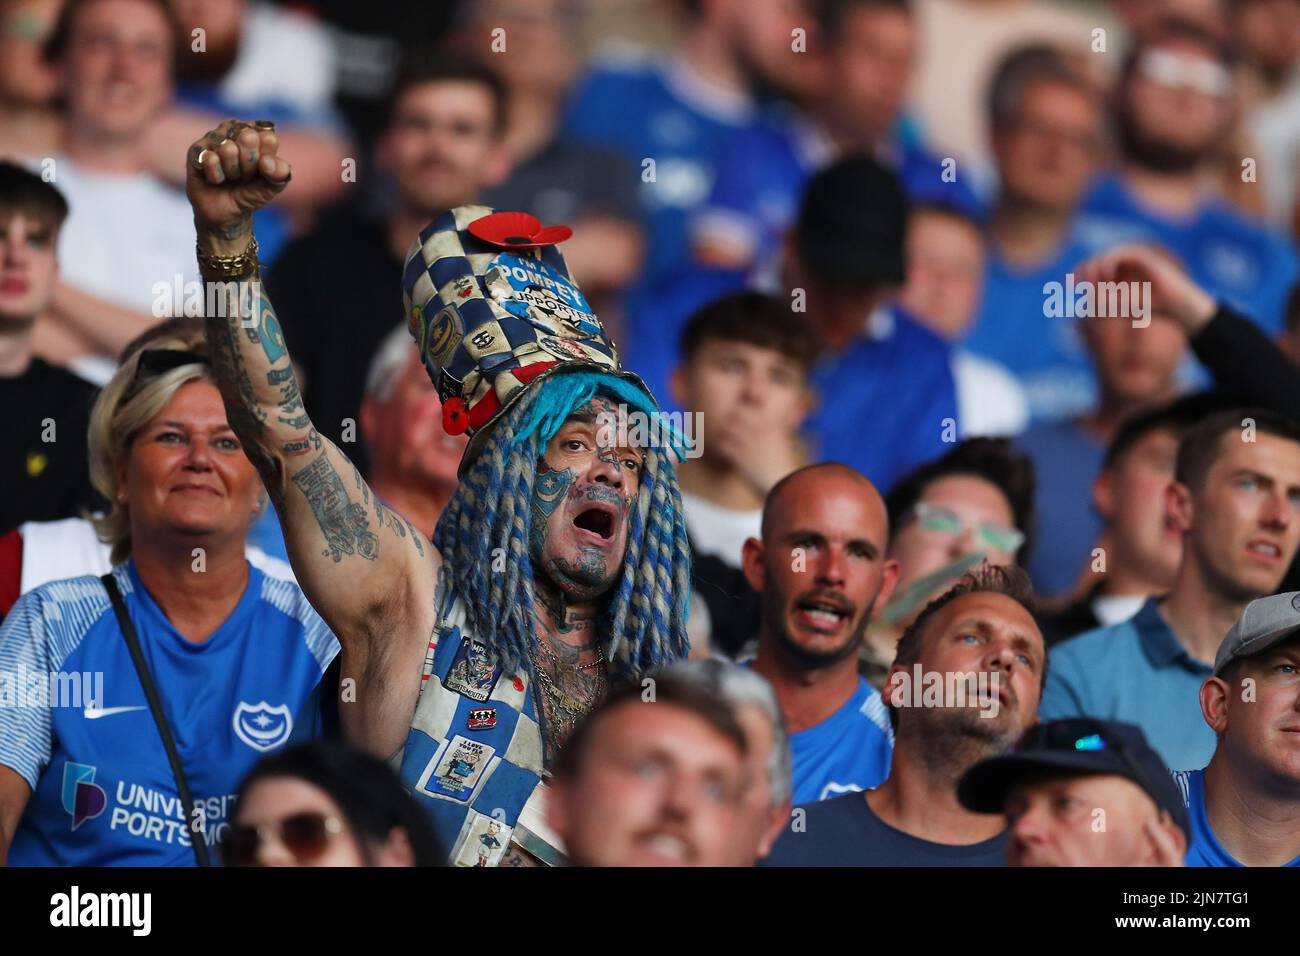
[(821, 570)]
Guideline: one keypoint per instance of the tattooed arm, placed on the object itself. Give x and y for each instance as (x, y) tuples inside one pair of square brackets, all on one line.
[(368, 571)]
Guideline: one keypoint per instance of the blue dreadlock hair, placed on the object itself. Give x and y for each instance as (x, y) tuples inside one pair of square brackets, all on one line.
[(644, 621)]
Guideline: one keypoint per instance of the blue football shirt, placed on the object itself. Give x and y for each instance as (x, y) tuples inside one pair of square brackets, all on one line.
[(103, 792), (886, 401), (667, 124), (1203, 847), (1237, 259), (847, 752), (1045, 354), (764, 168)]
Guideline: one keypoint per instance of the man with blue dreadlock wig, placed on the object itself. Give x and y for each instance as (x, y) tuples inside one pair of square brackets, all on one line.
[(559, 566)]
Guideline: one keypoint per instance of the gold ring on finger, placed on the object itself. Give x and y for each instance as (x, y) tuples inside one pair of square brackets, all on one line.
[(264, 124), (198, 160)]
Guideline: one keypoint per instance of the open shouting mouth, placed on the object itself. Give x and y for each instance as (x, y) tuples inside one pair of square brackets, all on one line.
[(822, 612), (597, 520)]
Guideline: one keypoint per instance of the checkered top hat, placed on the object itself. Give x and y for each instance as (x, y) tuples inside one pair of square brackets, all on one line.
[(493, 310)]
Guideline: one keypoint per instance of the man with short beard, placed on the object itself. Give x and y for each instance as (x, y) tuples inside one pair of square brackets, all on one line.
[(821, 570), (1174, 110), (980, 639)]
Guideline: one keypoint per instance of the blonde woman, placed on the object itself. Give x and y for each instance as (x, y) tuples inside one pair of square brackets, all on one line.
[(132, 754)]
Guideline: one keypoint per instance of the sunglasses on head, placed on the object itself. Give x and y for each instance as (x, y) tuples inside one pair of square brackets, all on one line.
[(153, 362), (937, 519), (305, 835)]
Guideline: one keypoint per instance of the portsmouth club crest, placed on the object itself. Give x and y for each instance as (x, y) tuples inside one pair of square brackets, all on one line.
[(472, 671), (262, 726)]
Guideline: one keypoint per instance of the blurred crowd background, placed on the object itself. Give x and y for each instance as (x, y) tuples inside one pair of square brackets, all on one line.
[(831, 226), (1002, 142)]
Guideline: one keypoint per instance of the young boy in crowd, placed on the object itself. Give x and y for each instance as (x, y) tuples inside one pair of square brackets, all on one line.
[(47, 409), (745, 361)]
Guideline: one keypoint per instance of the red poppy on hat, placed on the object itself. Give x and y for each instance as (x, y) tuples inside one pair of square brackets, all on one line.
[(517, 230)]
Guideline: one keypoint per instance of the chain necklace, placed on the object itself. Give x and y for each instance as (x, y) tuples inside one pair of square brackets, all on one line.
[(566, 709)]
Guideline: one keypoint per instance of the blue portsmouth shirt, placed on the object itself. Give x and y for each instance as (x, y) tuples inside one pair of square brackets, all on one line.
[(1136, 672), (1046, 355), (764, 168), (1238, 260), (102, 789), (886, 400), (1203, 847), (654, 109), (847, 752)]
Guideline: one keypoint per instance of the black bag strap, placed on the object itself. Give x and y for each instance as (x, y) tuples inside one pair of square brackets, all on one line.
[(197, 842)]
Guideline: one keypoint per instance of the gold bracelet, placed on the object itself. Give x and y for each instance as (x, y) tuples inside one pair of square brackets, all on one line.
[(229, 267)]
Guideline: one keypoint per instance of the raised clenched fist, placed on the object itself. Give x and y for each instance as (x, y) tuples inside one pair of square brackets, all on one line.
[(233, 171)]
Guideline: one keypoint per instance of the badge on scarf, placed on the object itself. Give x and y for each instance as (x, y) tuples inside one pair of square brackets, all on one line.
[(462, 764), (472, 671)]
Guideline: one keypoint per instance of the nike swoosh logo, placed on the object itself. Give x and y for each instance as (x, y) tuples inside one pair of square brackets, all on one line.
[(94, 713)]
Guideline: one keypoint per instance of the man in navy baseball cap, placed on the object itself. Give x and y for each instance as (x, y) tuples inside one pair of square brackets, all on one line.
[(1082, 792)]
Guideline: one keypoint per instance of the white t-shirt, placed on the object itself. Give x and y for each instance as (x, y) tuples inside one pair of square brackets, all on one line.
[(718, 531), (1275, 127), (128, 239), (1117, 610), (124, 235), (69, 548), (283, 56), (990, 402)]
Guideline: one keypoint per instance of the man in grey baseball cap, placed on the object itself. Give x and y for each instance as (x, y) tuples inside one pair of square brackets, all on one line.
[(1244, 808)]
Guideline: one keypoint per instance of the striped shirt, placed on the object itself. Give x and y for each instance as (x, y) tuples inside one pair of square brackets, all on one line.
[(74, 722)]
